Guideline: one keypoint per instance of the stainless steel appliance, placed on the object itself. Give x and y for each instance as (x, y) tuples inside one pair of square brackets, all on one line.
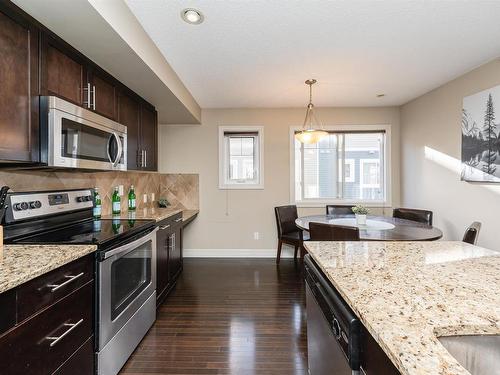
[(126, 300), (78, 138), (333, 331), (125, 303)]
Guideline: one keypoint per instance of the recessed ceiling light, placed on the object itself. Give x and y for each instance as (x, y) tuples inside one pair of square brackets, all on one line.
[(380, 95), (192, 16)]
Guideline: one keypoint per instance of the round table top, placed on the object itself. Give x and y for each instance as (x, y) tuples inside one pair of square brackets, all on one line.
[(378, 228)]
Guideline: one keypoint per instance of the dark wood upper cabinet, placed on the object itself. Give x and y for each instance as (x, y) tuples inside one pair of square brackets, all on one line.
[(103, 94), (19, 104), (149, 135), (142, 131), (129, 115), (63, 73)]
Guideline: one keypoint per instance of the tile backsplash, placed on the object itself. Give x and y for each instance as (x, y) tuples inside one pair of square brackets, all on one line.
[(181, 190)]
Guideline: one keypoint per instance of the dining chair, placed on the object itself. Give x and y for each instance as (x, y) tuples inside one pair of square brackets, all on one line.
[(288, 233), (472, 233), (339, 209), (421, 216), (329, 232)]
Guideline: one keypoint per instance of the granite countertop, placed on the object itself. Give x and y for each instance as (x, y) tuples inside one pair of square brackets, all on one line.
[(157, 214), (409, 293), (22, 263)]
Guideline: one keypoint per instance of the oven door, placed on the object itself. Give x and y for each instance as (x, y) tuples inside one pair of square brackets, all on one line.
[(82, 139), (126, 279)]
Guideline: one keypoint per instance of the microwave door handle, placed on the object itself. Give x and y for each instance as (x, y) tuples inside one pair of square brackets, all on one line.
[(108, 148), (120, 149)]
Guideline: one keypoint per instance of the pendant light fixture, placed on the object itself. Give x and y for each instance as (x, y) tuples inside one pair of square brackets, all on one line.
[(312, 129)]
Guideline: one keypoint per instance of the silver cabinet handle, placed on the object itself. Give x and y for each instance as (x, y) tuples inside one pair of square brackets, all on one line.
[(163, 227), (145, 158), (93, 97), (142, 158), (179, 219), (88, 95), (70, 280), (56, 339)]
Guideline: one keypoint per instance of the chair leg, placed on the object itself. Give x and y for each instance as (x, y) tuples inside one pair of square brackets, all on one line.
[(278, 254), (302, 252), (296, 251)]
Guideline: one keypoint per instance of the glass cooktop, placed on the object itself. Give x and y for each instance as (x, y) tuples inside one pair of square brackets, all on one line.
[(96, 232)]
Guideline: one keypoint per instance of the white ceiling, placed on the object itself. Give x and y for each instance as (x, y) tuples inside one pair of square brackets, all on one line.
[(258, 53)]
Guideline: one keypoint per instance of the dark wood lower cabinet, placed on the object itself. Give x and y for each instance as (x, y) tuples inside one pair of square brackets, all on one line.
[(81, 362), (50, 331), (168, 256)]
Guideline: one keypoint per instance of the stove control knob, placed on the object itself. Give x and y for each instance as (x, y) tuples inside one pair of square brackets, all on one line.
[(21, 206), (35, 204), (80, 199), (89, 198)]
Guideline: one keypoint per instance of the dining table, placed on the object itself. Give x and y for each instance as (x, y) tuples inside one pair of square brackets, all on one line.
[(378, 228)]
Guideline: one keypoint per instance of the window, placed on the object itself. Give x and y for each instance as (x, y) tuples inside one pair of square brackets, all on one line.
[(347, 166), (240, 157)]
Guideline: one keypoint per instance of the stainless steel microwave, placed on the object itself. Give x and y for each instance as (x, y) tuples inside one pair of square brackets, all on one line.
[(79, 138)]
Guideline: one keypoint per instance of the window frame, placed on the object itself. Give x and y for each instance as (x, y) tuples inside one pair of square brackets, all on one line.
[(224, 160), (386, 178)]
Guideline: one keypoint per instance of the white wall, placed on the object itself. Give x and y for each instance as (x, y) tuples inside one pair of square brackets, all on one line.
[(228, 218), (430, 152)]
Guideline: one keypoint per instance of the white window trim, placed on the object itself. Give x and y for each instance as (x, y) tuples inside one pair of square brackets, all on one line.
[(222, 162), (387, 168)]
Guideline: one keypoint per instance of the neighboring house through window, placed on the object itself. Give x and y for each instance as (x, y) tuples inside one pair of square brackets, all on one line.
[(350, 165)]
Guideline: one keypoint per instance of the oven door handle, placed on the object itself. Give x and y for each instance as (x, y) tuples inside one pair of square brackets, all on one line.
[(125, 249)]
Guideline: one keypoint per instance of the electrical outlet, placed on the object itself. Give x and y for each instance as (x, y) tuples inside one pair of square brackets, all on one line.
[(120, 190), (256, 235), (145, 198), (152, 197)]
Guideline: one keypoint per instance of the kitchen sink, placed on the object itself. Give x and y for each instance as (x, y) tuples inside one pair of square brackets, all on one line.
[(479, 354)]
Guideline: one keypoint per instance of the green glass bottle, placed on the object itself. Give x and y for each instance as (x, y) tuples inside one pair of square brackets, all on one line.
[(115, 201), (131, 199), (97, 204)]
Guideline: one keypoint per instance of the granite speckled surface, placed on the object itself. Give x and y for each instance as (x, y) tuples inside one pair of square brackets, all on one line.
[(409, 293), (157, 214), (21, 263)]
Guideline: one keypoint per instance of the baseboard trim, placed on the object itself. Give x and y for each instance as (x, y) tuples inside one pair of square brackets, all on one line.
[(237, 253)]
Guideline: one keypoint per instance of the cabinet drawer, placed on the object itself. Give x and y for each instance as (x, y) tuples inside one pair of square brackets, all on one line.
[(81, 362), (32, 347), (47, 289), (170, 223)]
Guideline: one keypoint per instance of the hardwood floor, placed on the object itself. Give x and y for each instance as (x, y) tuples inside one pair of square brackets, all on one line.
[(228, 316)]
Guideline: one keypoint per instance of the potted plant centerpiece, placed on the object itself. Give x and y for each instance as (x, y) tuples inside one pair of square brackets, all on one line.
[(360, 211)]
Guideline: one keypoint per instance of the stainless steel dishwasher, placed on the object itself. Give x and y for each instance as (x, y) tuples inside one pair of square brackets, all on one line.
[(333, 331)]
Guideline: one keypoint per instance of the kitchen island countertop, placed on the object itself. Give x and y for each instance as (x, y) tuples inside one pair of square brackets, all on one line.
[(409, 293)]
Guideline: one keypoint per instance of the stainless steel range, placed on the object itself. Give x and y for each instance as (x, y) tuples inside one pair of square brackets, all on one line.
[(125, 296)]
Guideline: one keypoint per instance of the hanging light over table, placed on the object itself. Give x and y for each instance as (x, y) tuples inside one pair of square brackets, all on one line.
[(312, 129)]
